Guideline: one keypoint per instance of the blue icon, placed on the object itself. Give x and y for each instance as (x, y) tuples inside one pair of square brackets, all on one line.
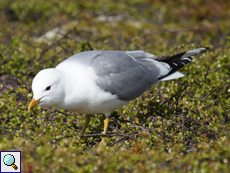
[(9, 160)]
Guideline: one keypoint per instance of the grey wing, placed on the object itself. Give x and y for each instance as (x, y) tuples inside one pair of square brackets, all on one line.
[(124, 76), (140, 54)]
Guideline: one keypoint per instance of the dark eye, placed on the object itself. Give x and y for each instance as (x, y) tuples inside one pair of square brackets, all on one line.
[(48, 88)]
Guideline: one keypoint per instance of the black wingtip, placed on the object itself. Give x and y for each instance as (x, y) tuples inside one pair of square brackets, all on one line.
[(206, 49), (176, 65)]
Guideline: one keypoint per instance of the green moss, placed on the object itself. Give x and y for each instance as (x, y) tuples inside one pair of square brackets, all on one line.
[(176, 126)]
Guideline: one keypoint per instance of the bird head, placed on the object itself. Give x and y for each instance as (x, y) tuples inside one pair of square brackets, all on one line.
[(47, 89)]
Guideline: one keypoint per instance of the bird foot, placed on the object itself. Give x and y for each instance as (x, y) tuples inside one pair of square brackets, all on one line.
[(102, 142)]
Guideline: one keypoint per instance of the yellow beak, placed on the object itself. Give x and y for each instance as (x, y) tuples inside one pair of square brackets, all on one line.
[(32, 104)]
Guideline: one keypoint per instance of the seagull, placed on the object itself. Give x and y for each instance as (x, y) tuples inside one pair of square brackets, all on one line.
[(100, 81)]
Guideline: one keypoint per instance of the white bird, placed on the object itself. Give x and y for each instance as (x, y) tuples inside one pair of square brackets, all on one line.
[(102, 81)]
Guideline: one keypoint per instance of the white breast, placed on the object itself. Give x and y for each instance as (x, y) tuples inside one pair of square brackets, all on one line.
[(82, 94)]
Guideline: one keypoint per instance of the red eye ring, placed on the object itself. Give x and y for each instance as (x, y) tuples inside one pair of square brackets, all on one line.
[(48, 88)]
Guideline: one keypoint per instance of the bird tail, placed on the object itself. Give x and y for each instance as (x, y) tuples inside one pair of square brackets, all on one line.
[(178, 61)]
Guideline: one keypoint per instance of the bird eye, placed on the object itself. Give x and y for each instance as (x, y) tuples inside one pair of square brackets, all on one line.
[(48, 88)]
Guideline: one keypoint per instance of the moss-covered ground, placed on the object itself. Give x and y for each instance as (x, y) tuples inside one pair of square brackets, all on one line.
[(176, 126)]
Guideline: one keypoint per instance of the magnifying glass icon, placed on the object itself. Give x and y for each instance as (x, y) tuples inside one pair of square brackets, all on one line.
[(9, 160)]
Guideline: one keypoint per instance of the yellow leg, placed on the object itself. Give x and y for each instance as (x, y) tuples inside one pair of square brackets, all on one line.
[(87, 120), (106, 125)]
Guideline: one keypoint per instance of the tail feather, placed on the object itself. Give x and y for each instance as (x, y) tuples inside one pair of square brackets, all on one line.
[(172, 76)]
